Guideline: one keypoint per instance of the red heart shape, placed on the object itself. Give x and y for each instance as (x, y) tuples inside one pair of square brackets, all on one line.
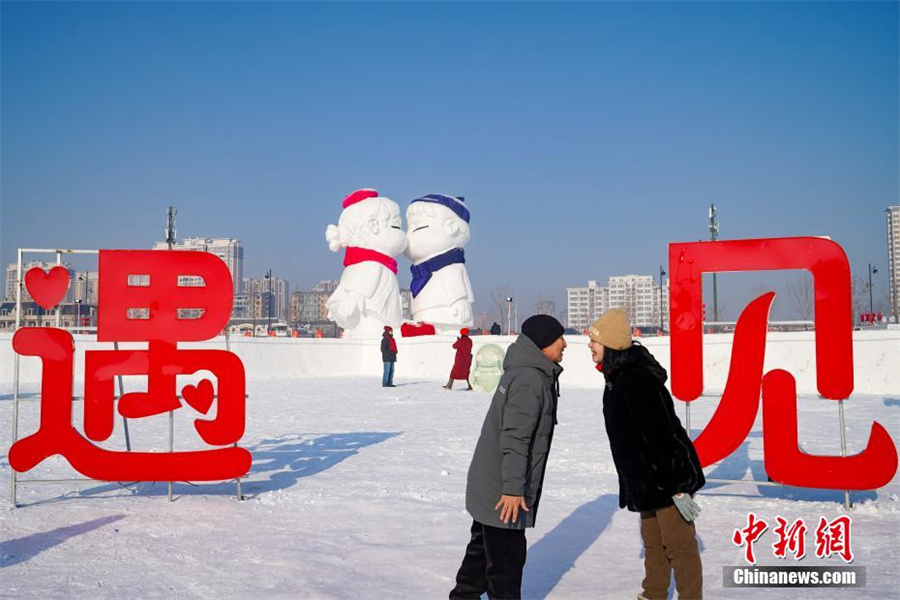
[(200, 396), (47, 289)]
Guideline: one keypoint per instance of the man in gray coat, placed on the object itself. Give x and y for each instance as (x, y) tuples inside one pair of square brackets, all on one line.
[(507, 470)]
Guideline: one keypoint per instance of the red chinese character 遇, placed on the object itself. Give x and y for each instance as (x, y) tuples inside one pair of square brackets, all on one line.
[(143, 297), (834, 538), (755, 528), (791, 538)]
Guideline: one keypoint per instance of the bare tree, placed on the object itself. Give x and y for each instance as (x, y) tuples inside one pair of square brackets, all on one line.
[(545, 305), (859, 290), (800, 296), (725, 311), (758, 290), (482, 321), (498, 296)]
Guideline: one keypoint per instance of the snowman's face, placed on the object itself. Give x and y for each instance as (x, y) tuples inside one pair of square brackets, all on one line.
[(384, 230), (433, 229)]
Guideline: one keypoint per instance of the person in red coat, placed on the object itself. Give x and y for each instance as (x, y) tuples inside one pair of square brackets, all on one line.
[(463, 361)]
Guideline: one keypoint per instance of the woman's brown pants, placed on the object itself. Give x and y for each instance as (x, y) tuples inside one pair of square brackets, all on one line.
[(670, 543)]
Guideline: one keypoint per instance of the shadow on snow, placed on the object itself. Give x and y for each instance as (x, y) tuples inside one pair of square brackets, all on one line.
[(738, 463), (278, 463), (22, 549), (552, 556)]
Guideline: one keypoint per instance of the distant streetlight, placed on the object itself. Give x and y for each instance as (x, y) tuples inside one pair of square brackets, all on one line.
[(269, 303), (713, 236), (78, 301), (661, 275), (872, 271), (509, 315)]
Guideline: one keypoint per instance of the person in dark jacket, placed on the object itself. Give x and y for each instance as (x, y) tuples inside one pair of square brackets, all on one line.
[(463, 361), (655, 459), (505, 478), (495, 328), (388, 356)]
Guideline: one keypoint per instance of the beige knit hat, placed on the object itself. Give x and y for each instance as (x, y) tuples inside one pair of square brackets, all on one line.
[(612, 330)]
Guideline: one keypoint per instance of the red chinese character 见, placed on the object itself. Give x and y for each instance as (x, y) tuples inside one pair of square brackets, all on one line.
[(747, 381)]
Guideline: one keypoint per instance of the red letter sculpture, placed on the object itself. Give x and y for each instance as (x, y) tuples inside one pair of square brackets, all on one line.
[(734, 417), (143, 299)]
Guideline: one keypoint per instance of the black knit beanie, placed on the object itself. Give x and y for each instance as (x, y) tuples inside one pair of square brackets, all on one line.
[(543, 330)]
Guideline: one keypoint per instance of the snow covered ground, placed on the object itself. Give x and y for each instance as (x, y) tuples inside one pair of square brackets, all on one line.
[(357, 491)]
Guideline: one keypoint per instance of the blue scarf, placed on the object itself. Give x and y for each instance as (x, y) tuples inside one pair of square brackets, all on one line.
[(422, 272)]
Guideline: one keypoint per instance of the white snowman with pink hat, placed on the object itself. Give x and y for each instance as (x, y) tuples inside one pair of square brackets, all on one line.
[(368, 296)]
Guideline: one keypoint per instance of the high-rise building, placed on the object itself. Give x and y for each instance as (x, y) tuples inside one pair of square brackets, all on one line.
[(637, 294), (242, 307), (267, 298), (228, 249), (406, 304), (87, 287), (309, 307), (282, 290), (892, 214), (585, 304), (326, 285)]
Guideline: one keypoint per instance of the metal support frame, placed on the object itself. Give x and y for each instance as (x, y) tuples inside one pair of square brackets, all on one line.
[(15, 481), (170, 241), (237, 481), (847, 503), (122, 393), (171, 445)]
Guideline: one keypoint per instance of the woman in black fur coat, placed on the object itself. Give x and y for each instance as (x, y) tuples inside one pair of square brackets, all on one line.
[(656, 462)]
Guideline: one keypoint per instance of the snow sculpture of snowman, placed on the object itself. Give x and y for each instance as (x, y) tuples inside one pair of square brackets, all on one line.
[(368, 296), (438, 229), (488, 368)]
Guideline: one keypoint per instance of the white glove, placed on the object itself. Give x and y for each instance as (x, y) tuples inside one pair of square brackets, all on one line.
[(686, 506)]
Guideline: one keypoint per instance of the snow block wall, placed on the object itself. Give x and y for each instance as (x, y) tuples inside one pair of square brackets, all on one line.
[(876, 358)]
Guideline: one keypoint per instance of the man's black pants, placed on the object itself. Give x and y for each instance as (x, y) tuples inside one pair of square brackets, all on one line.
[(493, 563)]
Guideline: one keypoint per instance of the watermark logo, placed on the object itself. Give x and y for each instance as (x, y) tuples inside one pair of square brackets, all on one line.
[(831, 538), (791, 577)]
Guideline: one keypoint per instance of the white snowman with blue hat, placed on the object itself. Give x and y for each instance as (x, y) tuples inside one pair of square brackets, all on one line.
[(437, 230)]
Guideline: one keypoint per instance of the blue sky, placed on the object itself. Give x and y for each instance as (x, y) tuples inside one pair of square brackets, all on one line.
[(585, 136)]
